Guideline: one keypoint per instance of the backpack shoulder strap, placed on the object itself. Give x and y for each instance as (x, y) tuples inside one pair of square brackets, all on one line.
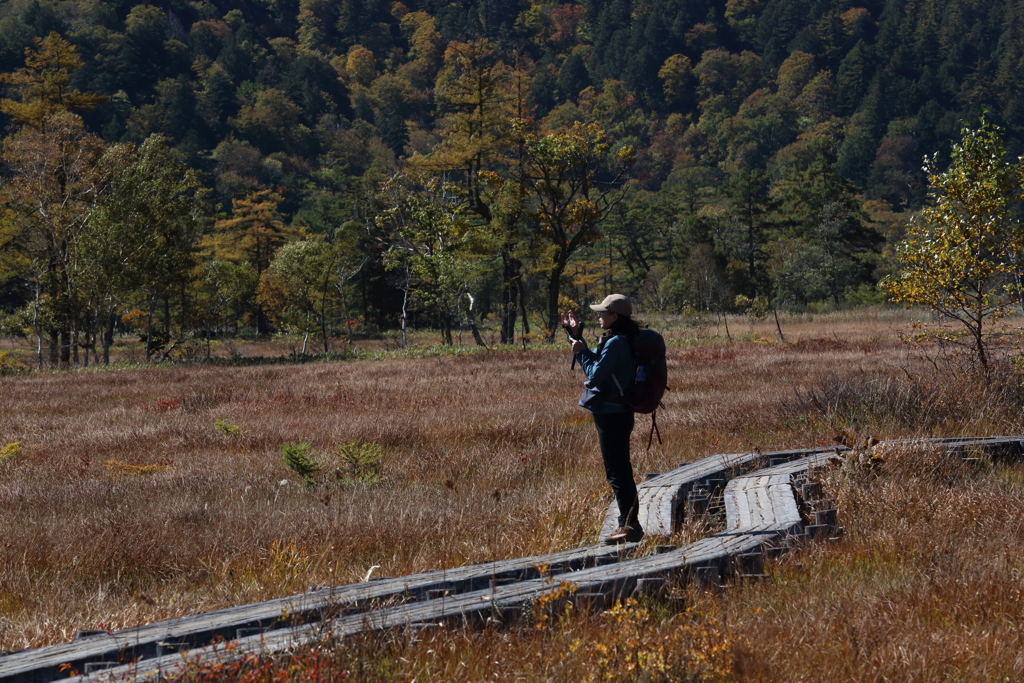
[(654, 430), (618, 384)]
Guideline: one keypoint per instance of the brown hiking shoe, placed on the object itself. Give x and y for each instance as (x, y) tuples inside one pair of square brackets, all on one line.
[(625, 534)]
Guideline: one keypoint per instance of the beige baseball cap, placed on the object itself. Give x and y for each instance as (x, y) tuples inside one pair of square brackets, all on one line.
[(615, 303)]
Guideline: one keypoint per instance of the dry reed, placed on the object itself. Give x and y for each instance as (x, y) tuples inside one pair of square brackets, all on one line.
[(486, 456)]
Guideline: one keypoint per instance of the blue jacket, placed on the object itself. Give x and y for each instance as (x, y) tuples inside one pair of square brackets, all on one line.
[(612, 360)]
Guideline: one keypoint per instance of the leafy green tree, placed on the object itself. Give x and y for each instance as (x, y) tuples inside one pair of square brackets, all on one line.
[(961, 257), (224, 296), (749, 227), (568, 199), (431, 242), (798, 271), (52, 187), (143, 57), (860, 141), (851, 79), (315, 17), (725, 79), (271, 121), (426, 46), (824, 209), (677, 76), (215, 100), (299, 288), (572, 77), (361, 66), (637, 233), (794, 74), (140, 243), (395, 100), (708, 288)]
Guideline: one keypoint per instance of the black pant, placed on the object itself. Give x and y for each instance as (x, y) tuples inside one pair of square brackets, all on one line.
[(613, 432)]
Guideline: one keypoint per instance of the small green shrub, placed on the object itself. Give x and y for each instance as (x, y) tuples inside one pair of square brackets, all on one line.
[(360, 462), (227, 430), (10, 366), (10, 451), (356, 462), (300, 459)]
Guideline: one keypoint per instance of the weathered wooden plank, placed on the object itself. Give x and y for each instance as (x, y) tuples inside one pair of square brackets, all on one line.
[(195, 631), (43, 664), (1010, 447), (765, 499), (763, 513), (777, 514), (736, 508), (747, 507), (662, 499), (770, 490)]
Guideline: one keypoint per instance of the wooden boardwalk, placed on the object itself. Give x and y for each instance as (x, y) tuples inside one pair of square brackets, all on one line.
[(189, 633), (762, 495), (997, 447), (663, 497), (154, 640), (708, 559)]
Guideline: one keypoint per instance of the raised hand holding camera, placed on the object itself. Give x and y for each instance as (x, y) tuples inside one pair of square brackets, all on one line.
[(574, 332), (572, 328)]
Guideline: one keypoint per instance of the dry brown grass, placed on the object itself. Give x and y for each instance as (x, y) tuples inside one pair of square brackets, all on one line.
[(926, 585), (128, 506), (630, 641)]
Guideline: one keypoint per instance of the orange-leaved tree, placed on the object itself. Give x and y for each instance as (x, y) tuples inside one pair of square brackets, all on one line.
[(568, 196), (479, 98), (253, 234), (44, 84), (52, 185)]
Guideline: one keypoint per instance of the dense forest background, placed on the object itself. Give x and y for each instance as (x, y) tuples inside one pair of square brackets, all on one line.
[(329, 167)]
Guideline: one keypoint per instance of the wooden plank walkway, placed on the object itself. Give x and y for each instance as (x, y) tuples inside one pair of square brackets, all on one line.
[(997, 447), (777, 516), (761, 509), (152, 640), (766, 499), (663, 497)]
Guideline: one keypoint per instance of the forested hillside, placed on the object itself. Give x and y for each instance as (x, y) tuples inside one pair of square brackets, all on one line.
[(329, 167)]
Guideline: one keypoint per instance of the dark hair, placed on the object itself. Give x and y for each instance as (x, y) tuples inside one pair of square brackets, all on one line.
[(625, 325)]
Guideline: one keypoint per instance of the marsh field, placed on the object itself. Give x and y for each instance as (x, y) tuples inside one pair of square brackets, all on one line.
[(142, 494)]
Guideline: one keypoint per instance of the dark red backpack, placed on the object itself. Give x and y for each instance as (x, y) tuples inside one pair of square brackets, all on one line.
[(651, 372), (651, 380)]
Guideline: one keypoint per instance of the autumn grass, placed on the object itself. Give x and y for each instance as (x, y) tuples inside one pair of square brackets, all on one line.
[(926, 586), (127, 504), (630, 641)]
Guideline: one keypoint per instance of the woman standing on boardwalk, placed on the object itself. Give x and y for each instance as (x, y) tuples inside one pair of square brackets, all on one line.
[(609, 370)]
